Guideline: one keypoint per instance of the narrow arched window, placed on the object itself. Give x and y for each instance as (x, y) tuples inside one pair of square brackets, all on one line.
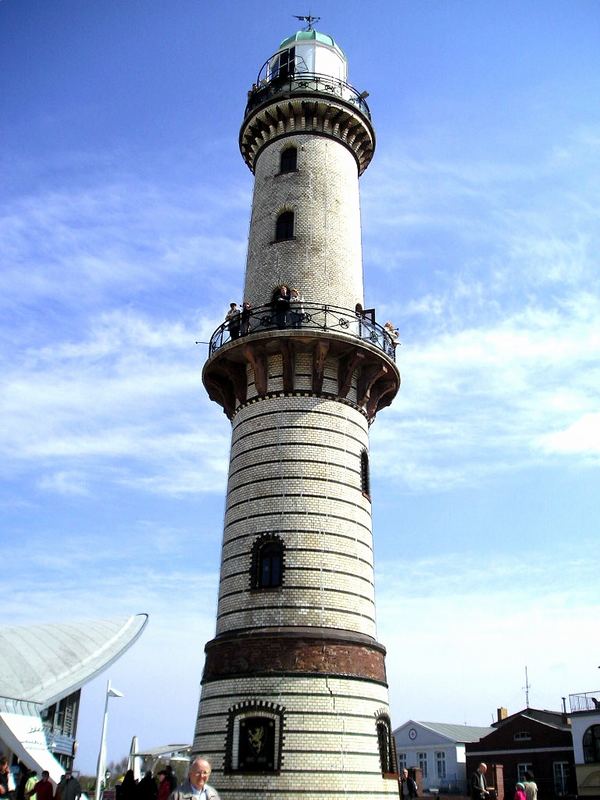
[(284, 229), (267, 562), (386, 745), (289, 160), (365, 479), (591, 745)]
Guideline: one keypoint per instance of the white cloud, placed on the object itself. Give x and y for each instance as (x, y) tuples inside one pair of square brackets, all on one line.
[(582, 437)]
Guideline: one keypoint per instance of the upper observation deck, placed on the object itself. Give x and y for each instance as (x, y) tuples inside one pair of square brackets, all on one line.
[(307, 81)]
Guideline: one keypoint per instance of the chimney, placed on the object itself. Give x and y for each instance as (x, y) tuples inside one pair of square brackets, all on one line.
[(502, 713)]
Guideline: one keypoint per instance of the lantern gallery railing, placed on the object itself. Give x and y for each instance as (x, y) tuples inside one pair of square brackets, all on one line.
[(305, 316), (307, 82)]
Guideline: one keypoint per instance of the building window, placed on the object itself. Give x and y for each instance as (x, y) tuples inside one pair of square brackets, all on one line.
[(288, 160), (402, 761), (591, 745), (522, 736), (254, 737), (365, 478), (267, 562), (526, 766), (386, 743), (440, 762), (284, 228), (422, 759), (561, 777)]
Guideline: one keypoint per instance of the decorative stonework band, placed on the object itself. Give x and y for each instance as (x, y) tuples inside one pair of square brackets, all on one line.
[(292, 653), (320, 115)]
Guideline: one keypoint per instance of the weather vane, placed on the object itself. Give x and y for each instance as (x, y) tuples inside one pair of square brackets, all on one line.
[(309, 19)]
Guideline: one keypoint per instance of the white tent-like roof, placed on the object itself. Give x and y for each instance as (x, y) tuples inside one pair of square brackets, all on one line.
[(40, 664)]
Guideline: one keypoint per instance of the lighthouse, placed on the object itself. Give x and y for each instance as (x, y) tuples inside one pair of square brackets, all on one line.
[(294, 699)]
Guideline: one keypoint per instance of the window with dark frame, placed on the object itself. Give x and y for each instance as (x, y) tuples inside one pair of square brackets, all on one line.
[(289, 160), (284, 227), (267, 562), (386, 744), (591, 745)]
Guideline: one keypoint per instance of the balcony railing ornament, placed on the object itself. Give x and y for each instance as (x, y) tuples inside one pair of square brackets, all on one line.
[(312, 316)]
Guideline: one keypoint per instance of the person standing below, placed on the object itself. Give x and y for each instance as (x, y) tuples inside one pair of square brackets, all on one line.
[(478, 783), (69, 787), (5, 777), (520, 791), (43, 789), (408, 787), (164, 786), (146, 788), (196, 786), (531, 789), (30, 783)]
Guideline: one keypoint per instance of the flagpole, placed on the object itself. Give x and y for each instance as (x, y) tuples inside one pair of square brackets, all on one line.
[(110, 692)]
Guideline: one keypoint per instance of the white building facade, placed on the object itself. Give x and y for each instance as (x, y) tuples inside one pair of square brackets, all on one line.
[(438, 750)]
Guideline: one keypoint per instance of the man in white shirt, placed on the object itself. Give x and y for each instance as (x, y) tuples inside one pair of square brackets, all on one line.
[(196, 786)]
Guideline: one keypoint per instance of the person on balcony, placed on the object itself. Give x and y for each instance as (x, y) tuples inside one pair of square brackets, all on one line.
[(233, 321), (281, 305), (246, 311), (392, 332), (296, 308)]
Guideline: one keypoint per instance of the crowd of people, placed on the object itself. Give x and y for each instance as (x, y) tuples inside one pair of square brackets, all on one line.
[(165, 786), (287, 305), (21, 783), (524, 790)]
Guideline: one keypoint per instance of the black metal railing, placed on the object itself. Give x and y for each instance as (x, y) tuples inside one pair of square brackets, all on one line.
[(304, 316), (304, 82), (585, 701)]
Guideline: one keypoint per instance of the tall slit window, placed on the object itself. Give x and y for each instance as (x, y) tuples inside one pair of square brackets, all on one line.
[(365, 480), (284, 228), (386, 744), (289, 160), (267, 563)]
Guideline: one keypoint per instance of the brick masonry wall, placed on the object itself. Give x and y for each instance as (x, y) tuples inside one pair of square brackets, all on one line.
[(329, 747), (295, 472), (324, 260)]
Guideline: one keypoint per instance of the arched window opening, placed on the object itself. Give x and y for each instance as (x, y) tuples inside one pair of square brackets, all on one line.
[(289, 160), (365, 478), (284, 228), (267, 563), (387, 746), (254, 737), (591, 745)]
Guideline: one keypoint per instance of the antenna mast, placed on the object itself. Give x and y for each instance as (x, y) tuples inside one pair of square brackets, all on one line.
[(527, 687)]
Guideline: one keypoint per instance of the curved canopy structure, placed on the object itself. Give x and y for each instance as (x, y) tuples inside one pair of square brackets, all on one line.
[(42, 663), (42, 669)]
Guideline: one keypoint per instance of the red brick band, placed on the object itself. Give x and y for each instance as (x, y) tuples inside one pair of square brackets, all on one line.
[(277, 654)]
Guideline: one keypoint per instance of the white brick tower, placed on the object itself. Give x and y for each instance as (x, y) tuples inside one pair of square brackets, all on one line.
[(294, 696)]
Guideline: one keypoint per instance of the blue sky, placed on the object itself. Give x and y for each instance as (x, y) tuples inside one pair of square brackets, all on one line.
[(124, 210)]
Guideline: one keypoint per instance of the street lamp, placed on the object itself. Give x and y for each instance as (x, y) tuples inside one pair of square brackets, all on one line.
[(100, 772)]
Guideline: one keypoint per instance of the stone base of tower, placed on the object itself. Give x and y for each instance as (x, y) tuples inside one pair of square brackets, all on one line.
[(322, 734)]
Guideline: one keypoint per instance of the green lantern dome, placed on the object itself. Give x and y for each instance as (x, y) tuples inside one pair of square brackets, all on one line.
[(311, 36)]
